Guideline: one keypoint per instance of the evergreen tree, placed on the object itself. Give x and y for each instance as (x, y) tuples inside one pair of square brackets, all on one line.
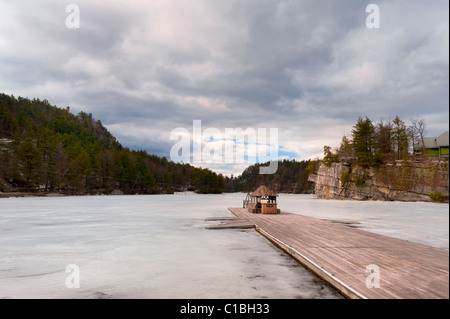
[(362, 135), (329, 157), (29, 164), (383, 144), (400, 138)]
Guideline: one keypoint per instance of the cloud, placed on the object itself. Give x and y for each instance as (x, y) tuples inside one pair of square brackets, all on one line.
[(309, 68)]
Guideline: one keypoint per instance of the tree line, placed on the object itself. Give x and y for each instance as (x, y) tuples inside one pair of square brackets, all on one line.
[(374, 144), (290, 177)]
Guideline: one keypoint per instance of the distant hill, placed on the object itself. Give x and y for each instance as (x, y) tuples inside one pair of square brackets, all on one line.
[(44, 148), (290, 177)]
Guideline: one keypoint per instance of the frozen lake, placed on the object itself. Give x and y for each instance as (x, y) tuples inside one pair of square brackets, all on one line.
[(157, 246), (141, 247)]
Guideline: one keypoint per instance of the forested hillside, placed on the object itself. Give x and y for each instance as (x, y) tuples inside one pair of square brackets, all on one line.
[(291, 177), (47, 149)]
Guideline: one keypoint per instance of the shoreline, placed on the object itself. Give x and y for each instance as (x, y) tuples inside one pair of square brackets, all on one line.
[(53, 194)]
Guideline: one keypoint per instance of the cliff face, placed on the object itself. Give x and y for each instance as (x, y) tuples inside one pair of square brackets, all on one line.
[(405, 182)]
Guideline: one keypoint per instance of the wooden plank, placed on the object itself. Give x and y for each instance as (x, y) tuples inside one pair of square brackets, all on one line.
[(230, 223), (340, 254), (221, 218), (240, 224)]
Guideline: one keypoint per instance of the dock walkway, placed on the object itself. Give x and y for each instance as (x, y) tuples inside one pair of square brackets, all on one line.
[(340, 255)]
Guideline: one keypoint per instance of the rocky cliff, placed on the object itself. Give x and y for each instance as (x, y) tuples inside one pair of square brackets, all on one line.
[(401, 182)]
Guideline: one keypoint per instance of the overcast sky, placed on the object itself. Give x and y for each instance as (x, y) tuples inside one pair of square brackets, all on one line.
[(307, 67)]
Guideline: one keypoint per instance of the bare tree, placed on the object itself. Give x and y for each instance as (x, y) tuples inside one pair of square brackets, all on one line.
[(418, 128)]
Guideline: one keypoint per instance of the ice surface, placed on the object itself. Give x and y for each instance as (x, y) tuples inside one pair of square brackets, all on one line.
[(141, 247), (157, 246)]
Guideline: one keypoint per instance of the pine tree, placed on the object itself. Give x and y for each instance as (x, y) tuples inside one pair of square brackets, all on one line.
[(383, 144), (400, 138), (362, 135), (29, 164)]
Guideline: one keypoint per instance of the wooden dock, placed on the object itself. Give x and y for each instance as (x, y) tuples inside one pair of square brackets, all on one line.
[(340, 255)]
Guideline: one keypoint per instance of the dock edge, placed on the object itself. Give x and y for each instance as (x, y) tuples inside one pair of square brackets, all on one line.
[(320, 272), (342, 287)]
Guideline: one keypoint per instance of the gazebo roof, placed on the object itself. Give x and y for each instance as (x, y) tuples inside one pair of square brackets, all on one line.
[(263, 191)]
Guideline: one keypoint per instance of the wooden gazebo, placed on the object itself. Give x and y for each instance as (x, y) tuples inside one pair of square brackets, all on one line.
[(263, 200)]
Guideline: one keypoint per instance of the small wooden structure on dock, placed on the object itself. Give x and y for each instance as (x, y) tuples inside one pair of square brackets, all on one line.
[(261, 201)]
